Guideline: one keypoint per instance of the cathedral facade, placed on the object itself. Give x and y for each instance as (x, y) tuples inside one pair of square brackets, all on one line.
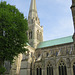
[(53, 57)]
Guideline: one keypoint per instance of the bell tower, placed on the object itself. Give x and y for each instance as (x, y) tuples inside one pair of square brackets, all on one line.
[(73, 14), (35, 32)]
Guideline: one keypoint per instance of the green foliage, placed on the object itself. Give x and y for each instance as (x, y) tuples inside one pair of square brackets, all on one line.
[(2, 70), (13, 27)]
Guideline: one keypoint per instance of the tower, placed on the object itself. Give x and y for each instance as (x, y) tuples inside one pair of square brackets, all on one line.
[(73, 14), (35, 32)]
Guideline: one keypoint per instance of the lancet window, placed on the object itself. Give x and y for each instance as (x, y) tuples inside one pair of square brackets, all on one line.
[(74, 68), (62, 68), (39, 71), (30, 35), (31, 69), (37, 34), (49, 69), (47, 54)]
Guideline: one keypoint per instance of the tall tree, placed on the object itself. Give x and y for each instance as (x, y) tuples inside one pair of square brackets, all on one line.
[(13, 27)]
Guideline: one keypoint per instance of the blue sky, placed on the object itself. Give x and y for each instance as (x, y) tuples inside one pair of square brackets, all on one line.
[(55, 16)]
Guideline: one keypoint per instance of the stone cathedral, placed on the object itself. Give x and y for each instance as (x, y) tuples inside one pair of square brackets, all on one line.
[(53, 57)]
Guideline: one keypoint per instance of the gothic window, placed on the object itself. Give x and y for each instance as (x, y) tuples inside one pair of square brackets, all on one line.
[(30, 35), (62, 68), (31, 69), (47, 54), (74, 68), (39, 71), (49, 69)]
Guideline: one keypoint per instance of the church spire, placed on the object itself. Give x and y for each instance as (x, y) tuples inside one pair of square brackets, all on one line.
[(33, 10), (35, 31)]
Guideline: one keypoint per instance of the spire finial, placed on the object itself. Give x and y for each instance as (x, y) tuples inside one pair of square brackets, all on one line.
[(33, 9)]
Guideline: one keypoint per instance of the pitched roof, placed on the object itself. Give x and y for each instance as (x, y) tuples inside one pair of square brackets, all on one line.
[(54, 42)]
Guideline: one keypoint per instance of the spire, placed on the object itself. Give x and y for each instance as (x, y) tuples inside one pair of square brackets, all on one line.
[(35, 31), (33, 9)]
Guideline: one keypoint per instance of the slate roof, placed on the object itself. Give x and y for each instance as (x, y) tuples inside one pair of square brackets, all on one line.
[(54, 42)]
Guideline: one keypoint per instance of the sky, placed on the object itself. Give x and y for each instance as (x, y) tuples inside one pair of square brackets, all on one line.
[(55, 16)]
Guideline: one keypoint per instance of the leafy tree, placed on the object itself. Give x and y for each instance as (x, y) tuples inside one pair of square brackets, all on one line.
[(13, 27)]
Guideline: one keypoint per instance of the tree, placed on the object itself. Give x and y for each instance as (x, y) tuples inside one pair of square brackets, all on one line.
[(13, 28)]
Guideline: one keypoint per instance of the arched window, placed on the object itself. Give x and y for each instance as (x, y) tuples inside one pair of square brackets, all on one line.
[(31, 69), (49, 69), (74, 68), (39, 71), (37, 34), (62, 68), (30, 35), (47, 54)]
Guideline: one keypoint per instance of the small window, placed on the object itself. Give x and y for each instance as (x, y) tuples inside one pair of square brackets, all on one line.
[(47, 54), (30, 35), (56, 53)]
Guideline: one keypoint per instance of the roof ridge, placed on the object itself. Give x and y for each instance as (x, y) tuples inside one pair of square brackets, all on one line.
[(58, 38), (54, 42)]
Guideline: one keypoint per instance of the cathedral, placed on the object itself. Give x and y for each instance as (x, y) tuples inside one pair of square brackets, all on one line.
[(53, 57)]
